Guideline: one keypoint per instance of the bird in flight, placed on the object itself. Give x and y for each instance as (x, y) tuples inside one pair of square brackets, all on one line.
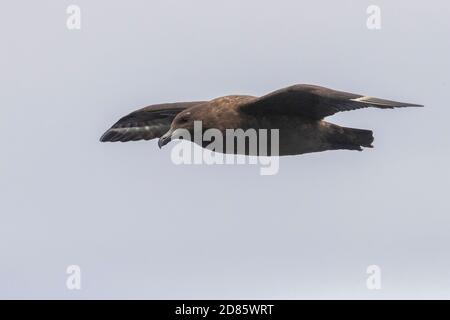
[(297, 111)]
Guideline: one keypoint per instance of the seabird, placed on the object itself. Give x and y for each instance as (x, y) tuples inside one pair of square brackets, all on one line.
[(296, 111)]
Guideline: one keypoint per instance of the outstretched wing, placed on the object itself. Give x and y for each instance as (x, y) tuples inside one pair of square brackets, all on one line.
[(146, 123), (316, 102)]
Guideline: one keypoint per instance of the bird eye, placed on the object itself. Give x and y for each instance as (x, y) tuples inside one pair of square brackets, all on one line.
[(183, 119)]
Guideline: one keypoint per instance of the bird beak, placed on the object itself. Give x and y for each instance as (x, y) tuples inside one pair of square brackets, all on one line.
[(165, 139)]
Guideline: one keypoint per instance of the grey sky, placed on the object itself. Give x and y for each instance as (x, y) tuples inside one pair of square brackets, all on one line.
[(141, 227)]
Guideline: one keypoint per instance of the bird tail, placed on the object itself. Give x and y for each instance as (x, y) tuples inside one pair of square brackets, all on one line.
[(353, 139)]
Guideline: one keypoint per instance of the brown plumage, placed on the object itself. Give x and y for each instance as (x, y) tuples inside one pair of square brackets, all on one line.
[(297, 111)]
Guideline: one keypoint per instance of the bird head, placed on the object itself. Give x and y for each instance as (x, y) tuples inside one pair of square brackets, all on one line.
[(182, 125)]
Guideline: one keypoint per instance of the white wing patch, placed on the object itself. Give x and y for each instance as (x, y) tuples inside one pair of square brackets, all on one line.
[(362, 99)]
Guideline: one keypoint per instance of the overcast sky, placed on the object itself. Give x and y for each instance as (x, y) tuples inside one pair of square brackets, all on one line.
[(141, 227)]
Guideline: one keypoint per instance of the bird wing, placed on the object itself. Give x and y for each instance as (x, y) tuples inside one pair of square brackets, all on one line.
[(146, 123), (315, 102)]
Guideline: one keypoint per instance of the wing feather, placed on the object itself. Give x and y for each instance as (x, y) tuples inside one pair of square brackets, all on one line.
[(316, 102), (146, 123)]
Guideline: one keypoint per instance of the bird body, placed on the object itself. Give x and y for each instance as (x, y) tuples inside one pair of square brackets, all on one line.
[(297, 112)]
